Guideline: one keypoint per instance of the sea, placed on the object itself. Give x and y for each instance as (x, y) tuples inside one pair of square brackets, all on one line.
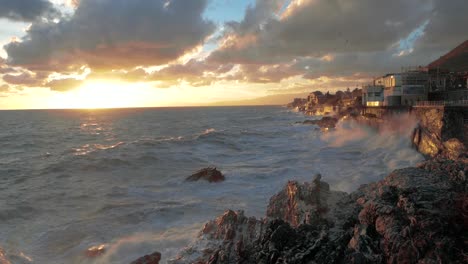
[(74, 179)]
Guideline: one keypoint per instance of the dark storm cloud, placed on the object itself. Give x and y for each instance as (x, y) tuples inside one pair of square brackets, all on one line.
[(318, 27), (26, 10), (336, 38), (342, 39), (447, 27), (255, 16), (114, 34)]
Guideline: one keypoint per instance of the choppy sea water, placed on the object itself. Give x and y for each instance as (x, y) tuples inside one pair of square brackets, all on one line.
[(73, 179)]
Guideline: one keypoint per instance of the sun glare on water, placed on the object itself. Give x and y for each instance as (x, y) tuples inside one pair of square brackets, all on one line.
[(96, 95)]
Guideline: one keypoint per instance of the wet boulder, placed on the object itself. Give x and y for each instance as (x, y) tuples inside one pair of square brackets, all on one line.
[(149, 259), (208, 174)]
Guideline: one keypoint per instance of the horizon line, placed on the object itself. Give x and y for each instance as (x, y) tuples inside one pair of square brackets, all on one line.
[(134, 107)]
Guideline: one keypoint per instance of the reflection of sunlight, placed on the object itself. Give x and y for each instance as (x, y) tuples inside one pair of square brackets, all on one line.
[(91, 128), (97, 94)]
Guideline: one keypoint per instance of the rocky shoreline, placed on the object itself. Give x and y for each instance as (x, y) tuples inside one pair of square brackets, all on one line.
[(414, 215)]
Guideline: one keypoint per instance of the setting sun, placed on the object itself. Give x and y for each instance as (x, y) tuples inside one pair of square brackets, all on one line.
[(98, 94)]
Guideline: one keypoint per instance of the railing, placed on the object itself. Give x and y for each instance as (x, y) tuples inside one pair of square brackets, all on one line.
[(442, 103)]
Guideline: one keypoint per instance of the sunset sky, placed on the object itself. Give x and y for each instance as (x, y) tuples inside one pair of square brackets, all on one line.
[(139, 53)]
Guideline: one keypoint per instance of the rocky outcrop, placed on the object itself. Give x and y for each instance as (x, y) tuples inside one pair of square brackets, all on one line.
[(456, 171), (431, 145), (228, 239), (414, 215), (325, 123), (303, 203), (208, 174), (441, 132), (149, 259)]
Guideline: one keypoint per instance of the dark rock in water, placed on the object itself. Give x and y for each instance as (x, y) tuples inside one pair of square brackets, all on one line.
[(208, 174), (149, 259), (413, 215), (324, 123)]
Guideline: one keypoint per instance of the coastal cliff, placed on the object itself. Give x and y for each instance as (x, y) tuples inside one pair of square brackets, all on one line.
[(414, 215)]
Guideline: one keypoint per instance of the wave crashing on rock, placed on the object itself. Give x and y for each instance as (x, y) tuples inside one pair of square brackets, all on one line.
[(414, 215)]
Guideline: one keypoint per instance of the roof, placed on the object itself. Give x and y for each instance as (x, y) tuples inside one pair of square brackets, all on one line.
[(455, 60)]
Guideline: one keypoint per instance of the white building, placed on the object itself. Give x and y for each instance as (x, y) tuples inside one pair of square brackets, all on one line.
[(373, 95), (405, 88)]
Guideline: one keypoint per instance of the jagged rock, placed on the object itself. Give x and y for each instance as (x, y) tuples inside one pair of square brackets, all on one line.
[(149, 259), (229, 237), (300, 203), (456, 171), (325, 123), (413, 215), (209, 174)]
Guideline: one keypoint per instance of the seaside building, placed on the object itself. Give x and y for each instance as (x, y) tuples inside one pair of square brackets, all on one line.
[(414, 85), (312, 99), (373, 95), (405, 88)]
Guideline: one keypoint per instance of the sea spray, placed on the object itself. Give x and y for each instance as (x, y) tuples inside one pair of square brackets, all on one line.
[(373, 152), (128, 248)]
